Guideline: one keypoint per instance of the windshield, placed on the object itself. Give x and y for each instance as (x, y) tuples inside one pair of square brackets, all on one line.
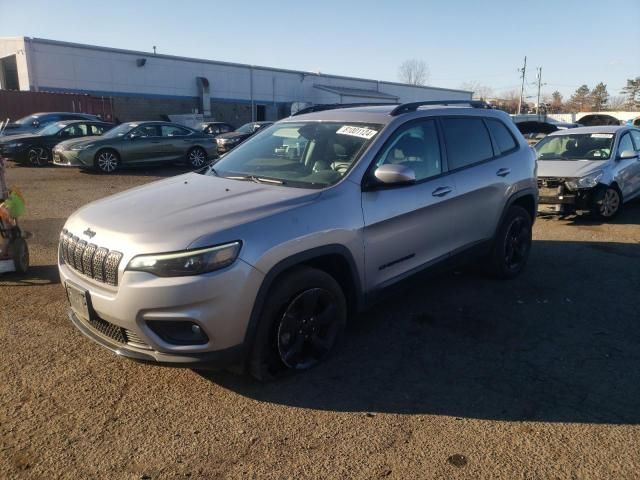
[(581, 146), (304, 154), (246, 128), (51, 129), (120, 131)]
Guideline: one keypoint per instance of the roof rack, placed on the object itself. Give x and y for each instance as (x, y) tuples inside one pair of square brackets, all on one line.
[(334, 106), (413, 106)]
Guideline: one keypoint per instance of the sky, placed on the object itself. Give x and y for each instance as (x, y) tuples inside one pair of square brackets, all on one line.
[(574, 41)]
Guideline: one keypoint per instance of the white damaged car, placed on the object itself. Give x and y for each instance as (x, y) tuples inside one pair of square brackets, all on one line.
[(588, 169)]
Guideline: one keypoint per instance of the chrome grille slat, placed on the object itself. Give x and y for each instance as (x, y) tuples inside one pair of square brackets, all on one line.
[(134, 339), (95, 262)]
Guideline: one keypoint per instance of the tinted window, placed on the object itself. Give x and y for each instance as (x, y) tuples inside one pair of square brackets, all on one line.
[(635, 134), (467, 141), (501, 135), (146, 131), (173, 131), (625, 143), (76, 130), (415, 146), (226, 128), (97, 129)]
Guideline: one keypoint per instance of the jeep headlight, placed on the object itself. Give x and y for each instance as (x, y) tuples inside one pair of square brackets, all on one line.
[(188, 262), (76, 148), (588, 181)]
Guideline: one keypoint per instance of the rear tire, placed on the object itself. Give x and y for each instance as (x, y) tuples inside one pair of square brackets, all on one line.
[(301, 322), (39, 156), (512, 244), (19, 252), (197, 158), (107, 161)]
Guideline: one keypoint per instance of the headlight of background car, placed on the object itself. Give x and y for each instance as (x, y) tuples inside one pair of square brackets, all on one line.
[(588, 181), (189, 262), (81, 147)]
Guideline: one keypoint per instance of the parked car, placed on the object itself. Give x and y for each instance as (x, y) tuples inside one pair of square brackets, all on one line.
[(589, 169), (259, 259), (36, 148), (137, 143), (214, 128), (598, 119), (535, 131), (227, 141), (37, 121)]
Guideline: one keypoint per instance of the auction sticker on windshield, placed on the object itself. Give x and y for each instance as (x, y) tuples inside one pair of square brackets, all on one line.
[(602, 135), (361, 132)]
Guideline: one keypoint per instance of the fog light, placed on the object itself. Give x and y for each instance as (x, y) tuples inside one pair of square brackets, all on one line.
[(179, 332)]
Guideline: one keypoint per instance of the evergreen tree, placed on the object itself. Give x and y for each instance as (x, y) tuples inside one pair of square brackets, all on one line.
[(580, 101), (632, 93), (599, 97)]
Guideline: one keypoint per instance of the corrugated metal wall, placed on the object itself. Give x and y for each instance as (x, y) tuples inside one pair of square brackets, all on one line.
[(15, 104)]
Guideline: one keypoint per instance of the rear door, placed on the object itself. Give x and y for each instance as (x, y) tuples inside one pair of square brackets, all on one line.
[(480, 155), (176, 141), (409, 226)]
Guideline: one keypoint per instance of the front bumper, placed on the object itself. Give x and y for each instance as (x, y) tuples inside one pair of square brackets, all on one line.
[(14, 154), (71, 158), (121, 317), (559, 200)]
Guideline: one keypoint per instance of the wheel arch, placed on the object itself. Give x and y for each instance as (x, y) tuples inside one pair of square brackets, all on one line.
[(336, 260)]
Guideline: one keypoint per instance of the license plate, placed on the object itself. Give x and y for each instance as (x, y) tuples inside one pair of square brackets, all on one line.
[(79, 301)]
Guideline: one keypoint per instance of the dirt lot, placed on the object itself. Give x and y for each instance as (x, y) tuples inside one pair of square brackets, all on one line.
[(458, 377)]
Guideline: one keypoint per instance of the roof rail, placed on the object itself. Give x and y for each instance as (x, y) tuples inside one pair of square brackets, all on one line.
[(334, 106), (413, 106)]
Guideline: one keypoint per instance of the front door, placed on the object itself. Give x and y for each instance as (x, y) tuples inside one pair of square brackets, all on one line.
[(144, 144), (409, 226)]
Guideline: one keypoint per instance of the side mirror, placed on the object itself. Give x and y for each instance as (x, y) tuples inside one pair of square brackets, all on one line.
[(628, 154), (393, 174)]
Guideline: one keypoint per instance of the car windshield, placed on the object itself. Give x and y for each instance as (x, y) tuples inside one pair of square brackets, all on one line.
[(120, 131), (51, 129), (246, 128), (576, 146), (304, 154)]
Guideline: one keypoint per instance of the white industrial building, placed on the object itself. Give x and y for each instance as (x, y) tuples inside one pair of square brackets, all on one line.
[(143, 85)]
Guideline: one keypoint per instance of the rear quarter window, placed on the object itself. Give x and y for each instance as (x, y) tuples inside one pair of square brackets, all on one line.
[(467, 141), (501, 134)]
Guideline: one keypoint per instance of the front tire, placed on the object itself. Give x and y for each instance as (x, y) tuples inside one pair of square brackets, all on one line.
[(197, 158), (301, 322), (607, 203), (39, 156), (107, 161), (512, 244)]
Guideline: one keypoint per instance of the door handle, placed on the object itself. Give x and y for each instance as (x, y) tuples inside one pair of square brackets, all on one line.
[(441, 191), (503, 172)]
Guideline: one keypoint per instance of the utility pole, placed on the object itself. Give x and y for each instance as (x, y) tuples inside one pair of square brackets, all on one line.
[(523, 70), (154, 49), (539, 87)]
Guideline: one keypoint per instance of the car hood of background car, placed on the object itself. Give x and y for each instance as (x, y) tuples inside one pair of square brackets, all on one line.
[(568, 168), (232, 135), (77, 141), (172, 214), (18, 137), (15, 129)]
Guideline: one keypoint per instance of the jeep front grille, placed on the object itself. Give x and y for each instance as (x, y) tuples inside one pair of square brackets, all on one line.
[(87, 258), (550, 182)]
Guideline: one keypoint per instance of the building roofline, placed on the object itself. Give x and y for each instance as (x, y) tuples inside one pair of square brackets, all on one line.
[(220, 62)]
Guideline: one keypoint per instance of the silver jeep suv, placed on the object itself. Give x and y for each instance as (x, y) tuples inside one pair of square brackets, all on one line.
[(259, 259)]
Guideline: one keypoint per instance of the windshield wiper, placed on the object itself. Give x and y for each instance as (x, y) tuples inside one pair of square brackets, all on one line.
[(256, 179)]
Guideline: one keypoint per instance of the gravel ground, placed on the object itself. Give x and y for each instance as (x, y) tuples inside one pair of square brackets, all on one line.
[(459, 376)]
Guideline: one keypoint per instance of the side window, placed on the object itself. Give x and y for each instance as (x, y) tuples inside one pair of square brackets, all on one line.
[(416, 146), (96, 129), (625, 143), (226, 128), (171, 131), (504, 139), (635, 135), (467, 141), (145, 131), (81, 130)]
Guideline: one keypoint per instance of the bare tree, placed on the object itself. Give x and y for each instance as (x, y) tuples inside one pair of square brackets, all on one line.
[(480, 92), (414, 72), (617, 102)]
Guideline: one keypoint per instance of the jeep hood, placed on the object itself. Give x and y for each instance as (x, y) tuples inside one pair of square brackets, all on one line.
[(568, 168), (172, 214)]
